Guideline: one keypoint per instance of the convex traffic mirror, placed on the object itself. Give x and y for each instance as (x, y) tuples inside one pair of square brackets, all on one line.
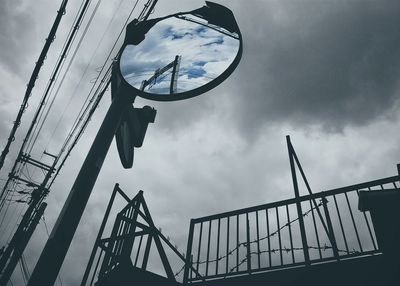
[(172, 58), (181, 55)]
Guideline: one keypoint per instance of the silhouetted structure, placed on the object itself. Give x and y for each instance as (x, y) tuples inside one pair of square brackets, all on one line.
[(118, 255), (344, 236)]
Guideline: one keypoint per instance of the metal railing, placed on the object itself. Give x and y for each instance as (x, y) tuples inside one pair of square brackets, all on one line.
[(268, 236), (132, 238)]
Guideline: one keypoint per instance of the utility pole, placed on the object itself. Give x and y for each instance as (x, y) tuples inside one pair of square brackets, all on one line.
[(10, 255), (174, 65), (29, 221), (18, 243), (53, 254)]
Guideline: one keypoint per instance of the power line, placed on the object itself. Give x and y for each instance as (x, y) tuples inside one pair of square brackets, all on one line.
[(67, 69), (32, 81), (49, 88), (40, 192), (28, 140), (97, 96), (82, 77)]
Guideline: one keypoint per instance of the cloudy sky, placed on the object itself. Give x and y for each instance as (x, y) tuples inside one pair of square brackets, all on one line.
[(324, 72)]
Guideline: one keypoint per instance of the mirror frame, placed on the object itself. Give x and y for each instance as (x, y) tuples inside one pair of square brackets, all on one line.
[(146, 26)]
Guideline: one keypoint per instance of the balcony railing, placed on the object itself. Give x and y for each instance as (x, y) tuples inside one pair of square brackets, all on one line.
[(269, 236)]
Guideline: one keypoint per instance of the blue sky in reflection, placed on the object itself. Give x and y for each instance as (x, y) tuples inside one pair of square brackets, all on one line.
[(205, 54)]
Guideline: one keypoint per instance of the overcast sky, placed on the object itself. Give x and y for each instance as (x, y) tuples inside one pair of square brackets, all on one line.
[(324, 72)]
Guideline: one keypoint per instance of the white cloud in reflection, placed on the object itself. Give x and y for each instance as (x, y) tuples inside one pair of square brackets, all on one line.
[(205, 54)]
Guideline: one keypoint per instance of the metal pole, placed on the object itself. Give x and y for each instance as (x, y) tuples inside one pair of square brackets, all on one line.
[(53, 254), (248, 256), (189, 252), (298, 204)]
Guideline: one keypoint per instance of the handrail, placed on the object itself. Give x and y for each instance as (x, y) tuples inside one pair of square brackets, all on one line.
[(330, 192)]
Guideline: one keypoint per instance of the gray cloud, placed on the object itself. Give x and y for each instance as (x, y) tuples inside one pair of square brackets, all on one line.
[(16, 23), (324, 63), (309, 63)]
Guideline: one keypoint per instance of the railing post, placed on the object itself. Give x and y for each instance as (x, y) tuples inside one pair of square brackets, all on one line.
[(298, 203), (248, 243), (188, 253), (330, 228)]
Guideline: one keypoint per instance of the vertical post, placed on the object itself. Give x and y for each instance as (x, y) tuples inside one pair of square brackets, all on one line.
[(279, 235), (189, 252), (199, 248), (248, 243), (227, 246), (290, 232), (269, 238), (191, 264), (53, 254), (208, 246), (330, 228), (218, 237), (102, 226), (237, 243), (258, 241), (298, 203), (174, 75)]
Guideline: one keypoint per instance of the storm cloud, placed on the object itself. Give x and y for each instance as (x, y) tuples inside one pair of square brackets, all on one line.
[(327, 63)]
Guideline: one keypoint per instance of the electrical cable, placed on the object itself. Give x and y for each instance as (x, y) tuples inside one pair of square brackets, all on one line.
[(67, 70), (34, 130), (83, 76), (31, 84), (52, 79), (18, 167), (95, 106), (60, 62)]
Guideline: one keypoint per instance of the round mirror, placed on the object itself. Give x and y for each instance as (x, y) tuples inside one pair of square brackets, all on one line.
[(181, 56)]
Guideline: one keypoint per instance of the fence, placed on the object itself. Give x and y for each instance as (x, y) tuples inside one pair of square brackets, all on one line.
[(269, 236)]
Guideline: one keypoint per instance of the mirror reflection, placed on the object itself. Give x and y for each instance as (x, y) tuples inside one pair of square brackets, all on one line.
[(179, 54)]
